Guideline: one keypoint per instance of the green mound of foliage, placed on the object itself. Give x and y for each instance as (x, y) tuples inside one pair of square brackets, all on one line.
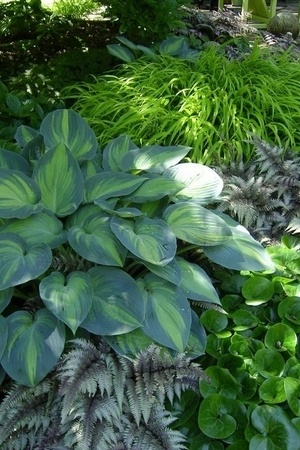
[(209, 102)]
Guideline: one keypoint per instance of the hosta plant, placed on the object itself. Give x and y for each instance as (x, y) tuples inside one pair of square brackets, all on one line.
[(97, 242)]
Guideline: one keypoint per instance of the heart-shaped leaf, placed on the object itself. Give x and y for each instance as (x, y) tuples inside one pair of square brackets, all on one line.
[(197, 225), (154, 158), (292, 391), (40, 228), (202, 184), (114, 152), (19, 195), (155, 188), (25, 134), (281, 337), (195, 283), (60, 180), (19, 262), (3, 335), (91, 237), (65, 126), (170, 272), (69, 299), (13, 161), (35, 343), (5, 298), (118, 306), (168, 314), (148, 239)]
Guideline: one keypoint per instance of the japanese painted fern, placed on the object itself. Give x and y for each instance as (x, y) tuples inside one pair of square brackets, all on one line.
[(95, 399)]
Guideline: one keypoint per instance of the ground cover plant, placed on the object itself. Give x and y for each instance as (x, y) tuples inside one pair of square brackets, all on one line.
[(211, 103)]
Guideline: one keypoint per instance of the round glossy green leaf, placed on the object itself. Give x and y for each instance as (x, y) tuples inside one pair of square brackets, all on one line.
[(292, 367), (168, 314), (221, 382), (149, 239), (114, 152), (215, 418), (239, 445), (196, 283), (60, 180), (248, 386), (275, 430), (240, 347), (118, 305), (65, 126), (202, 184), (91, 237), (257, 290), (154, 189), (289, 308), (69, 299), (40, 228), (195, 224), (154, 158), (241, 252), (19, 195), (272, 390), (214, 321), (13, 161), (5, 298), (292, 391), (202, 442), (129, 344), (268, 362), (281, 337), (3, 335), (20, 262), (35, 343), (106, 185), (243, 320)]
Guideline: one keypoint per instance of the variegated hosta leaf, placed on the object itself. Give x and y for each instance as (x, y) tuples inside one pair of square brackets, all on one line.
[(91, 237), (170, 272), (168, 314), (60, 180), (118, 306), (148, 239), (203, 184), (25, 134), (65, 126), (5, 298), (197, 340), (121, 52), (154, 158), (120, 212), (192, 223), (105, 185), (242, 252), (70, 298), (172, 46), (20, 262), (195, 283), (114, 152), (3, 335), (13, 161), (89, 169), (40, 228), (155, 188), (129, 344), (35, 343), (19, 195)]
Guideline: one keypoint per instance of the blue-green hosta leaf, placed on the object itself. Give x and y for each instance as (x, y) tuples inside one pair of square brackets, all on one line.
[(203, 184), (242, 252), (34, 345), (121, 52), (25, 134), (3, 335), (196, 283), (105, 185), (118, 306), (89, 169), (197, 340), (34, 149), (170, 272), (13, 161), (65, 126), (172, 46), (148, 239), (127, 42), (91, 237), (120, 212), (20, 262), (114, 152), (192, 223), (19, 195), (5, 298), (154, 158), (129, 344), (70, 298), (40, 228), (155, 188), (60, 180), (168, 314)]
